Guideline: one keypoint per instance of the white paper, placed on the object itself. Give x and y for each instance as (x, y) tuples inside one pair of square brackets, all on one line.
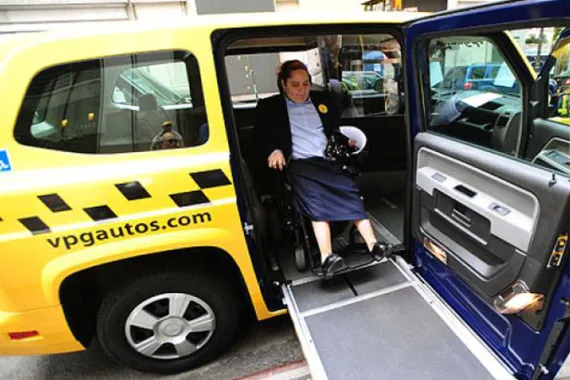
[(505, 77), (435, 74), (480, 99)]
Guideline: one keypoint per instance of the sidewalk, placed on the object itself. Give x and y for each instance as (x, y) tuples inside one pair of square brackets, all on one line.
[(291, 371)]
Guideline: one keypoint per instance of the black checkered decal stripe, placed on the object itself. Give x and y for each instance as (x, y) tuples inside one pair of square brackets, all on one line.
[(190, 198), (35, 225), (132, 191), (210, 178), (54, 202), (100, 213), (205, 180)]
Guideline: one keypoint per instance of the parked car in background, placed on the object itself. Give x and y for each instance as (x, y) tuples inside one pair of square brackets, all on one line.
[(476, 77), (563, 80), (362, 80)]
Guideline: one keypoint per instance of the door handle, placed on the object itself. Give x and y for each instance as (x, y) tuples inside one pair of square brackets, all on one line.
[(464, 190), (461, 218)]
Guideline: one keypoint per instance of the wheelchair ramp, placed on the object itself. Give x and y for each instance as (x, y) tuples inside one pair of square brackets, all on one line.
[(380, 323)]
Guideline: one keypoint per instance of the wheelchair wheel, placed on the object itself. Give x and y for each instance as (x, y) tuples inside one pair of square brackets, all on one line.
[(300, 258)]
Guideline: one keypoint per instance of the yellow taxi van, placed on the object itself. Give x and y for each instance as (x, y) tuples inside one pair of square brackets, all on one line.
[(134, 206)]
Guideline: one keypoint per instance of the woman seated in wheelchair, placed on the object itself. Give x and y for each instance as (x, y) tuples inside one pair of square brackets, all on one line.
[(294, 128)]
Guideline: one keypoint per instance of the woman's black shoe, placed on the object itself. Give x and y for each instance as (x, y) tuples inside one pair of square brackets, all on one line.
[(333, 264), (380, 251)]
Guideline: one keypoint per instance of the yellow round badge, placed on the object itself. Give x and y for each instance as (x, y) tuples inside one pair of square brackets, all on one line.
[(323, 108)]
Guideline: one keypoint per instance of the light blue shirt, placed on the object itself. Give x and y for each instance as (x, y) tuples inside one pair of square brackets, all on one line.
[(307, 132)]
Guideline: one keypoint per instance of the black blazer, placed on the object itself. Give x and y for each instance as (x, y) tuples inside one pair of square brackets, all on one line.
[(273, 130)]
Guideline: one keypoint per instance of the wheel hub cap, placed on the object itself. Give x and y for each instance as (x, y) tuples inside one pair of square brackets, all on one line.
[(170, 326)]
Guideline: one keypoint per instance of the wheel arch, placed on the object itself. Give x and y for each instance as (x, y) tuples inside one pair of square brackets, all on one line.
[(82, 293)]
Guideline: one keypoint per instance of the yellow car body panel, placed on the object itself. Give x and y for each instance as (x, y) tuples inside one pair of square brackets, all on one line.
[(34, 265), (54, 338), (561, 120)]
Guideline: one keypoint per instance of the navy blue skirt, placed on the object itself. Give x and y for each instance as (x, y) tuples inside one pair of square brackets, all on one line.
[(324, 192)]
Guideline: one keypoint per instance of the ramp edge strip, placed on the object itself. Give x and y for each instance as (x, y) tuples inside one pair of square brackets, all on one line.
[(304, 335)]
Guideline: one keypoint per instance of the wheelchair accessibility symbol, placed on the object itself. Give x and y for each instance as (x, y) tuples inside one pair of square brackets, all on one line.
[(4, 162)]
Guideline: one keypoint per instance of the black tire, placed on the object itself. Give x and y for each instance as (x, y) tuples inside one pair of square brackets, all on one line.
[(300, 258), (117, 306)]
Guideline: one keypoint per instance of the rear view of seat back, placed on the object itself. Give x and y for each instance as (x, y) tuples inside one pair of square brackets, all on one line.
[(118, 132), (149, 121)]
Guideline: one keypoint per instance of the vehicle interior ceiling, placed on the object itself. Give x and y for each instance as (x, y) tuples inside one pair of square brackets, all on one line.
[(371, 101)]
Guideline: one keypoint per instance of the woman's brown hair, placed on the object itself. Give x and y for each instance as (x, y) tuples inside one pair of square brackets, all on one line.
[(287, 69)]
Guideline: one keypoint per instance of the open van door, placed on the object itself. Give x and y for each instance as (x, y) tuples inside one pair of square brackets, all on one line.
[(489, 186)]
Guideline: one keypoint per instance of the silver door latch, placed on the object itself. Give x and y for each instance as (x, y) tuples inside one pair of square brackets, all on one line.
[(247, 228)]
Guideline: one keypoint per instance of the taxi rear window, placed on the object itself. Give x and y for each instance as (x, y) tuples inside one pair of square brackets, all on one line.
[(130, 103)]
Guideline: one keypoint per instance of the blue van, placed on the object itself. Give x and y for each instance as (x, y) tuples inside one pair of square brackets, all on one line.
[(475, 77)]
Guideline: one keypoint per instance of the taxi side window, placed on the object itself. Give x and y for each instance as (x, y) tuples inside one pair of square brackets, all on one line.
[(130, 103), (474, 93), (371, 74), (365, 71)]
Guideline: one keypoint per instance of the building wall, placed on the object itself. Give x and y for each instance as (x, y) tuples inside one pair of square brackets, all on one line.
[(248, 74), (17, 16), (330, 5), (24, 16), (452, 4), (286, 5), (234, 6), (426, 5)]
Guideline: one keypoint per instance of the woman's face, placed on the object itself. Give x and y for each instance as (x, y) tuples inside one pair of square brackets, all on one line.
[(297, 87)]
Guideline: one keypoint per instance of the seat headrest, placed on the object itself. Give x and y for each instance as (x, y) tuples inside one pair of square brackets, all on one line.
[(147, 102)]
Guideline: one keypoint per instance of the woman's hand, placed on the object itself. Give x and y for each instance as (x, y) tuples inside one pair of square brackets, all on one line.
[(352, 143), (276, 160)]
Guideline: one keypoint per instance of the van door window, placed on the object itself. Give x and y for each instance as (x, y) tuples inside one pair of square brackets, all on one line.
[(486, 110), (121, 104), (474, 93)]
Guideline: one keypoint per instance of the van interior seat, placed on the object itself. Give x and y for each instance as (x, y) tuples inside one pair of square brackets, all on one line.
[(249, 146), (117, 136), (149, 120)]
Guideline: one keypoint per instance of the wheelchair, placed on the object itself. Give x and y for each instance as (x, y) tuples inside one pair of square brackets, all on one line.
[(344, 234)]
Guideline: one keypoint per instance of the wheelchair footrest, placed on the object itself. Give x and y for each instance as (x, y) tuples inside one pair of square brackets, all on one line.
[(356, 256), (353, 250), (360, 260)]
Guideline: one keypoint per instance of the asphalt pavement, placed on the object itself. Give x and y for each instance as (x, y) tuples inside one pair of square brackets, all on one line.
[(257, 347)]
